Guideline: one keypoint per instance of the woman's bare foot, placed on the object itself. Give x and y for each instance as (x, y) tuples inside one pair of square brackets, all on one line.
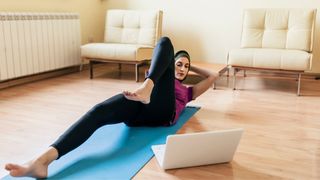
[(141, 94), (36, 169)]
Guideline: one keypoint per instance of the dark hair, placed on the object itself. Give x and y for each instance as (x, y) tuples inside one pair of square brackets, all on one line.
[(183, 53)]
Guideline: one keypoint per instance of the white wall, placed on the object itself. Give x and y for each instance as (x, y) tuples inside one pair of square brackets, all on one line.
[(209, 28)]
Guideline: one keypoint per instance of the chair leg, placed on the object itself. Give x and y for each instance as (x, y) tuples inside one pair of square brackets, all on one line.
[(91, 69), (137, 72), (81, 64), (299, 84), (119, 66), (235, 70), (244, 73), (228, 73)]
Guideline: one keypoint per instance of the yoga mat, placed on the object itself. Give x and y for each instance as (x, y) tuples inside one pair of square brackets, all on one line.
[(113, 151)]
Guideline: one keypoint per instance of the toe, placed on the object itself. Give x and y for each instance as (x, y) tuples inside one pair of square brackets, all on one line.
[(11, 166), (7, 166)]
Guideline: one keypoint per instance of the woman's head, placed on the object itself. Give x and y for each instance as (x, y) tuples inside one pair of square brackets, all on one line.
[(182, 64)]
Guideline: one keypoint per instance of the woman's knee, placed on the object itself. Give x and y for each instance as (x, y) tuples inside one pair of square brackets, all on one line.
[(165, 41)]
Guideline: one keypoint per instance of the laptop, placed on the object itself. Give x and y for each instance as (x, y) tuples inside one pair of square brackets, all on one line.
[(196, 149)]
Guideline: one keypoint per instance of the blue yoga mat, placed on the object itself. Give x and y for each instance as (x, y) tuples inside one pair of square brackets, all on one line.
[(113, 152)]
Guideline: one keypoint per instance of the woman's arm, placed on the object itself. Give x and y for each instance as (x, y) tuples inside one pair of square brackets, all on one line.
[(205, 84)]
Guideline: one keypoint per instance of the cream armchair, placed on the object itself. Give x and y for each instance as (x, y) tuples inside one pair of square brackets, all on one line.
[(130, 37), (275, 40)]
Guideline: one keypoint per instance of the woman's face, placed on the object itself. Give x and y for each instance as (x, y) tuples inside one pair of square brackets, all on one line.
[(181, 68)]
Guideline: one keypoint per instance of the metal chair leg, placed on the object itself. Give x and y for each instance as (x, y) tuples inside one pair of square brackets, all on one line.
[(91, 69), (235, 70), (299, 84), (228, 72), (81, 64)]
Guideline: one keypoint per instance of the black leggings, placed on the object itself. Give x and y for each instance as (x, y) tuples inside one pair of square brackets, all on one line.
[(117, 109)]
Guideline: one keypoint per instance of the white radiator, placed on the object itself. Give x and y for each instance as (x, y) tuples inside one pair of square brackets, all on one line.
[(32, 43)]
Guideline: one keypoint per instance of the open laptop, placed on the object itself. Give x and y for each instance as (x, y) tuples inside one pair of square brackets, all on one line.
[(196, 149)]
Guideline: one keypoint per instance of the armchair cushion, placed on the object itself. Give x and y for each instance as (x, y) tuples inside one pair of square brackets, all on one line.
[(278, 59), (127, 52)]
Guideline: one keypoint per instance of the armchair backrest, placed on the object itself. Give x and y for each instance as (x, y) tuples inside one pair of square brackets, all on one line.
[(133, 26), (278, 28)]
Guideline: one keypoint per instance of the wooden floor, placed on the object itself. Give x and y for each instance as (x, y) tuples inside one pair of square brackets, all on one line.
[(281, 138)]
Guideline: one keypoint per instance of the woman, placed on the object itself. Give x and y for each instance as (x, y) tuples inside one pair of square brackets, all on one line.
[(157, 102)]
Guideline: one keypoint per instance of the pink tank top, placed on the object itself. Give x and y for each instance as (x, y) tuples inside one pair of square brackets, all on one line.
[(183, 96)]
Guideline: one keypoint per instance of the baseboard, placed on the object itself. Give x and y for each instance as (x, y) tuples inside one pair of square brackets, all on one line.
[(37, 77)]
